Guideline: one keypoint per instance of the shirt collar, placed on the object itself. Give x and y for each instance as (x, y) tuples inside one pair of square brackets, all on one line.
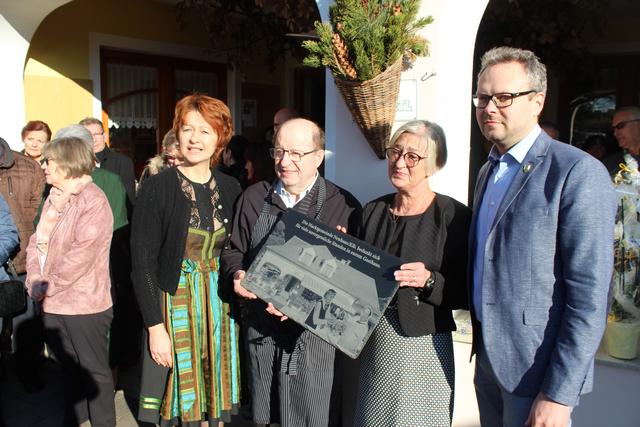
[(288, 198), (519, 151)]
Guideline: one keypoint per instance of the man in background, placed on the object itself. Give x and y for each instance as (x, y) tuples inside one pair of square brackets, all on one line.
[(111, 160), (626, 128), (282, 115)]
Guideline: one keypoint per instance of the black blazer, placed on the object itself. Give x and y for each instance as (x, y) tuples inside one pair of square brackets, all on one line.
[(438, 238)]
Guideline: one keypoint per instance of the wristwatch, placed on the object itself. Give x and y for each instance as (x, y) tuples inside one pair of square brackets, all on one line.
[(428, 285)]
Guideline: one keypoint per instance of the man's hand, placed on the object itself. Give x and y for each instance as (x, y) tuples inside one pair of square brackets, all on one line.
[(547, 413), (273, 311), (160, 346), (238, 288)]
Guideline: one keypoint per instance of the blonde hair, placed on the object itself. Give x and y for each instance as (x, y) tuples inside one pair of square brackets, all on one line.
[(71, 155)]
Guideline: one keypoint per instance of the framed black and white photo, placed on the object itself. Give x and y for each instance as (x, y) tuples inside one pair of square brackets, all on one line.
[(334, 285)]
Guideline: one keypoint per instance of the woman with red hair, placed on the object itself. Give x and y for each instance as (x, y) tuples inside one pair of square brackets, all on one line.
[(35, 134), (180, 224)]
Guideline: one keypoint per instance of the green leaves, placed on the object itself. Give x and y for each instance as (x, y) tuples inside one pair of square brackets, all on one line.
[(374, 34)]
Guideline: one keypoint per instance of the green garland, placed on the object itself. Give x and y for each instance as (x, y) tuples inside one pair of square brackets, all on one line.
[(365, 37)]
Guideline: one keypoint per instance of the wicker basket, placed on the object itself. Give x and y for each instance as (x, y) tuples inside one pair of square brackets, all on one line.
[(373, 105)]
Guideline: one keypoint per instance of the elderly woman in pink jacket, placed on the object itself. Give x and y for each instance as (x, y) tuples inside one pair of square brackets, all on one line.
[(68, 272)]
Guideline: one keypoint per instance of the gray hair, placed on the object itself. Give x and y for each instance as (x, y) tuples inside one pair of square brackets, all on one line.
[(430, 134), (536, 70), (170, 140), (90, 121), (631, 109), (76, 131)]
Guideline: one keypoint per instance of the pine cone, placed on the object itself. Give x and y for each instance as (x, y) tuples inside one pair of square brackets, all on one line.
[(364, 3), (342, 57)]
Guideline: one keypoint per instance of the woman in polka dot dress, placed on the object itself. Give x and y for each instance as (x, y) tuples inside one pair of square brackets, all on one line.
[(407, 367)]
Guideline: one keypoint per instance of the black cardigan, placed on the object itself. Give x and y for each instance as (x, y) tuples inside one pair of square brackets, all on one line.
[(159, 231), (439, 240)]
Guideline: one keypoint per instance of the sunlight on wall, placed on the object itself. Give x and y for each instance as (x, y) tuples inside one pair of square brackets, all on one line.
[(53, 97)]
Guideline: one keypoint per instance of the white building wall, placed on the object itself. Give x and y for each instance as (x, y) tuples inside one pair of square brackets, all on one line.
[(18, 21), (13, 51), (444, 98)]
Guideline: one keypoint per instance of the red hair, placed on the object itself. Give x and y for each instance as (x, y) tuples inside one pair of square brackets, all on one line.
[(214, 111), (36, 125)]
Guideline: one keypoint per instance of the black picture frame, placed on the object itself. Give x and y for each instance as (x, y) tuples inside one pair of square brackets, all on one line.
[(332, 284)]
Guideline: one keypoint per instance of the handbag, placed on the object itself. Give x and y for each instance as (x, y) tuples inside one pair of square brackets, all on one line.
[(12, 294)]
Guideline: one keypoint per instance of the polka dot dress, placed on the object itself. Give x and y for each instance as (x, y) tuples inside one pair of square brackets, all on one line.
[(405, 381)]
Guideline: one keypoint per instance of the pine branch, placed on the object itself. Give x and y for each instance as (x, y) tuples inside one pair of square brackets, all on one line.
[(365, 37)]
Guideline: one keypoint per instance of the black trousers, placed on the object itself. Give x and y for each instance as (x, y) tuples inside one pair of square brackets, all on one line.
[(80, 343)]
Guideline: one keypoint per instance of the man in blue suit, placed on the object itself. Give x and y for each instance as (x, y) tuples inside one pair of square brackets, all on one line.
[(542, 253)]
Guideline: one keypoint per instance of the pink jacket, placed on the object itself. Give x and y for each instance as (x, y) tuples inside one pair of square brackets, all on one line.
[(75, 276)]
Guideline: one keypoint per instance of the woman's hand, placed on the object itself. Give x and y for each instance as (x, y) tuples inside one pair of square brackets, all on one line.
[(341, 228), (238, 288), (275, 312), (38, 288), (160, 346), (412, 274)]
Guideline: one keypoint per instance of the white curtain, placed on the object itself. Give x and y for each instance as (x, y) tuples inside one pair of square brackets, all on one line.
[(139, 110), (196, 81)]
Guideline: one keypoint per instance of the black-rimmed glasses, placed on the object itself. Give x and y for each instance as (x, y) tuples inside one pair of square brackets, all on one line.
[(622, 124), (500, 99), (295, 156), (410, 159)]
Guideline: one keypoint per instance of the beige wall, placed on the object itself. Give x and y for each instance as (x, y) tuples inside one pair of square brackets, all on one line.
[(57, 77)]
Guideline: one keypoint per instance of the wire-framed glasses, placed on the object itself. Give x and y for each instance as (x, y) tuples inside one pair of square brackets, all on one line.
[(411, 159)]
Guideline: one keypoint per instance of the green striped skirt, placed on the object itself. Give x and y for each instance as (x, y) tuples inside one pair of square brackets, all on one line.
[(204, 383)]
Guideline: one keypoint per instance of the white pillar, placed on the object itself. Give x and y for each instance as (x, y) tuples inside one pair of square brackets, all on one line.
[(13, 51), (18, 22)]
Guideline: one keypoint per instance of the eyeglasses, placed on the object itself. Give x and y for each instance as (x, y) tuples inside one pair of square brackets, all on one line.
[(295, 156), (410, 159), (500, 99), (621, 125)]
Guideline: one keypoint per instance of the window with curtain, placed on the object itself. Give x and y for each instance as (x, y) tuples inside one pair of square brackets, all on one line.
[(139, 93)]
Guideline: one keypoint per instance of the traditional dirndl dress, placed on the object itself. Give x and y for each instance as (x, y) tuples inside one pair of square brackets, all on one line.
[(204, 383)]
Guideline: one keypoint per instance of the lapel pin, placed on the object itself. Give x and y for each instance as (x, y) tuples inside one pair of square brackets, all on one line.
[(526, 168)]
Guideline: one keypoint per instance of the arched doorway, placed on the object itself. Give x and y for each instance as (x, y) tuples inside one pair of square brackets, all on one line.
[(592, 54)]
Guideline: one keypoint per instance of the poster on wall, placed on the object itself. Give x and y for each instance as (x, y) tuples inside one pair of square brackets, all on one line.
[(249, 113), (407, 107), (332, 284)]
